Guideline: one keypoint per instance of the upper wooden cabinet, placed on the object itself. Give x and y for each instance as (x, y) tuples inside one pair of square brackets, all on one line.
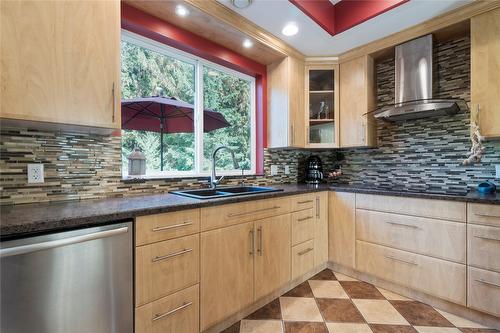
[(60, 62), (357, 98), (485, 66), (286, 116)]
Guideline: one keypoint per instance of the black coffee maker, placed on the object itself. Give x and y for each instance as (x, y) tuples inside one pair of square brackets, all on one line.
[(314, 170)]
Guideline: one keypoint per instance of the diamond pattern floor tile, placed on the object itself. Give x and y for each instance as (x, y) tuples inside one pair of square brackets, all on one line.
[(379, 312), (339, 310), (420, 314), (327, 289), (361, 290), (348, 328), (261, 326), (304, 327), (300, 309)]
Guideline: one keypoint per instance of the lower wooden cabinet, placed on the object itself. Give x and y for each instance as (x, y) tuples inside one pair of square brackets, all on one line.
[(484, 291), (302, 258), (321, 229), (175, 313), (342, 235)]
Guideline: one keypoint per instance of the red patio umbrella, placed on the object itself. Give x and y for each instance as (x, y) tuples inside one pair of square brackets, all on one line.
[(166, 115)]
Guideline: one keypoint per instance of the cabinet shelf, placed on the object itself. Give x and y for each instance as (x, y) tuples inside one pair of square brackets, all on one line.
[(321, 121), (321, 91)]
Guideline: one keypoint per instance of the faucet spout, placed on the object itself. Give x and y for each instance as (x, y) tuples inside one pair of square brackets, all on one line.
[(213, 178)]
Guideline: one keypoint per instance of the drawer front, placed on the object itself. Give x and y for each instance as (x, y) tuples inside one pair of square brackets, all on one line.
[(484, 291), (303, 201), (483, 214), (176, 313), (165, 267), (159, 227), (435, 277), (440, 209), (484, 247), (437, 238), (302, 258), (231, 214), (303, 224)]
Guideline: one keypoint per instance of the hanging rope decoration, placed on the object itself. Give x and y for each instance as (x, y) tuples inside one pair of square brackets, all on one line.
[(477, 149)]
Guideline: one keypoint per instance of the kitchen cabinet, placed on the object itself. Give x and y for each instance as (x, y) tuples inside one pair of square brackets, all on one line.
[(61, 63), (357, 99), (485, 66), (322, 105), (321, 229), (341, 217), (286, 116)]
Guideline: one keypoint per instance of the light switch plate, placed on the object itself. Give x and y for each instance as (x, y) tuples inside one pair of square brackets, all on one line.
[(287, 169), (35, 173), (497, 171), (274, 170)]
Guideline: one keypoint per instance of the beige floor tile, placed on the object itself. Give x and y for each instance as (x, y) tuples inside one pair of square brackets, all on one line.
[(342, 277), (327, 289), (392, 296), (348, 328), (379, 312), (300, 309), (261, 326), (429, 329), (459, 321)]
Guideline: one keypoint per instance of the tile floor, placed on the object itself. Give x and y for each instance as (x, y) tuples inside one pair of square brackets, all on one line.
[(334, 303)]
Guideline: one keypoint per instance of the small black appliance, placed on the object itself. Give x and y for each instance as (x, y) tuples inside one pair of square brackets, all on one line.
[(314, 170)]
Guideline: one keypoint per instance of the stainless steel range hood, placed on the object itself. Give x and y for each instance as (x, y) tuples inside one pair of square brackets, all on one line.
[(415, 85)]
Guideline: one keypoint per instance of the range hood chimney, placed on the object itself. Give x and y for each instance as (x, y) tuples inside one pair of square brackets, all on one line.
[(415, 85)]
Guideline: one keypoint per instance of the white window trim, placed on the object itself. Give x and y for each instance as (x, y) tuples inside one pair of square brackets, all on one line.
[(199, 63)]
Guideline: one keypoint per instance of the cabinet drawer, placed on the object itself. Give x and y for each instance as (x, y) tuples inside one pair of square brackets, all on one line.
[(303, 201), (302, 258), (178, 312), (484, 247), (435, 277), (484, 291), (483, 214), (437, 238), (440, 209), (165, 267), (158, 227), (226, 215), (303, 226)]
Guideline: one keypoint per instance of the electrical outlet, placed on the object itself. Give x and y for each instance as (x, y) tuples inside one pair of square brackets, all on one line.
[(497, 171), (274, 170), (287, 169), (35, 173)]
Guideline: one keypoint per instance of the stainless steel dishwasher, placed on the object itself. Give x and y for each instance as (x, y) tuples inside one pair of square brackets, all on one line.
[(77, 281)]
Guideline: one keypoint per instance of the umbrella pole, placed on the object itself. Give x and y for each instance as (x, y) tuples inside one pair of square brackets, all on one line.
[(161, 137)]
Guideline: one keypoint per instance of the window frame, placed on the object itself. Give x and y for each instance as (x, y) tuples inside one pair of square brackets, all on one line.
[(199, 63)]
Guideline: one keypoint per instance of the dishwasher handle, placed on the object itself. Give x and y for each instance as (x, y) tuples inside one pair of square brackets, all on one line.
[(29, 248)]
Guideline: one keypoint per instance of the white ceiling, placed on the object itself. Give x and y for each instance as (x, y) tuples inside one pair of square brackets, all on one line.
[(312, 40)]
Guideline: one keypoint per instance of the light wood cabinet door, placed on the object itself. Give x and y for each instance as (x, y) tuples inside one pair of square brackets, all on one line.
[(321, 229), (60, 62), (483, 292), (342, 228), (303, 223), (485, 66), (227, 272), (357, 98), (272, 256), (302, 258), (483, 247)]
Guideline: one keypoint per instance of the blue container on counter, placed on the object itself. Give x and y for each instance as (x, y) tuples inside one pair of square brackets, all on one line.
[(486, 187)]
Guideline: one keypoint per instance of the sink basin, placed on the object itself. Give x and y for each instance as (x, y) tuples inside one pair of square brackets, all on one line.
[(222, 192)]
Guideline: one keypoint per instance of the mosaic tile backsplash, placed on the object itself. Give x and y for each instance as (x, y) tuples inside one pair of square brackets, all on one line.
[(421, 154)]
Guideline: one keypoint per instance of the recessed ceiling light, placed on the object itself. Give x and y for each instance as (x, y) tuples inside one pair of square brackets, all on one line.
[(241, 3), (290, 29), (247, 43), (180, 10)]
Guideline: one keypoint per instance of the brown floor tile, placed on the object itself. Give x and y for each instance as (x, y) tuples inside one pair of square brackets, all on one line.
[(361, 290), (420, 314), (478, 330), (377, 328), (325, 274), (304, 327), (271, 310), (235, 328), (339, 310), (302, 290)]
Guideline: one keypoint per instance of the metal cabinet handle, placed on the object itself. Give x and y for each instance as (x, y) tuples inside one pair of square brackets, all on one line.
[(487, 215), (260, 248), (305, 251), (488, 283), (403, 225), (23, 249), (317, 207), (171, 255), (305, 218), (253, 212), (401, 260), (114, 102), (488, 238), (168, 227), (163, 315), (305, 201), (252, 242)]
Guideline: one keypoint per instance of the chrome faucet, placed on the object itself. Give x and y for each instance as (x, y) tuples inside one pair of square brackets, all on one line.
[(213, 178)]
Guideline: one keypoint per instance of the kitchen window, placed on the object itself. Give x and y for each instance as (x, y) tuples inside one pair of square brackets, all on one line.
[(198, 105)]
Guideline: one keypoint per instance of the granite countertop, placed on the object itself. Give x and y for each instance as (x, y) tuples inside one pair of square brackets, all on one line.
[(30, 219)]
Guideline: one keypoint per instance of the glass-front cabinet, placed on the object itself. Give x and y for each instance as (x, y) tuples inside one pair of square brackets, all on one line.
[(322, 105)]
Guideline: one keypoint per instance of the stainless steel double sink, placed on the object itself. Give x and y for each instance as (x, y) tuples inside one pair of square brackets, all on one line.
[(222, 192)]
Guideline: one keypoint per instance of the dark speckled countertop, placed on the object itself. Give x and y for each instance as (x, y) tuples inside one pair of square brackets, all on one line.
[(29, 219)]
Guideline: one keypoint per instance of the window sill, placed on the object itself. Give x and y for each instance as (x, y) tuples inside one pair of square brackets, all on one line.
[(172, 178)]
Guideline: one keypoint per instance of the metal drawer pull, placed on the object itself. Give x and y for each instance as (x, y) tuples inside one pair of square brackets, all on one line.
[(114, 103), (260, 248), (168, 227), (305, 218), (488, 238), (488, 283), (317, 207), (404, 225), (163, 315), (487, 215), (401, 260), (171, 255), (253, 212), (305, 201), (305, 251), (252, 246)]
